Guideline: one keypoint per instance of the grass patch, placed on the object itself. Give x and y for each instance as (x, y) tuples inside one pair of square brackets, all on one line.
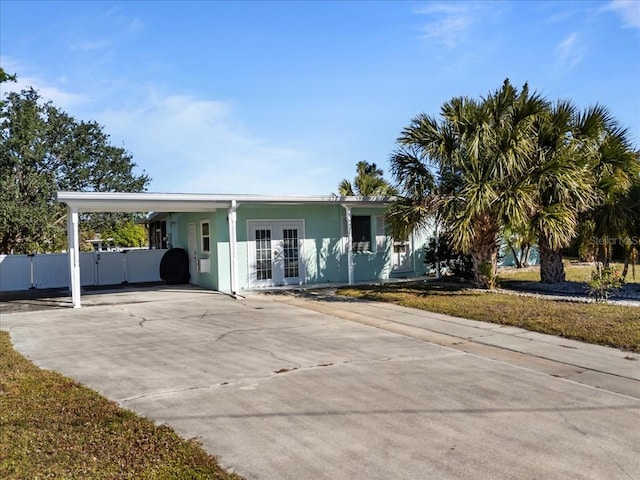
[(53, 427), (574, 273), (602, 324)]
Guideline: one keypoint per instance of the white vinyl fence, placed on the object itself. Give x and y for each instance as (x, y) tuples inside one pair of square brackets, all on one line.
[(51, 270)]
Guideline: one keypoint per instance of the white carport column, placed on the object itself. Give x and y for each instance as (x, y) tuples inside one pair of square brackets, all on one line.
[(73, 246), (233, 246), (349, 244)]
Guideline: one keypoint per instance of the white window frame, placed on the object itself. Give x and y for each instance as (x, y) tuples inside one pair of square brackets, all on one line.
[(203, 236), (381, 236)]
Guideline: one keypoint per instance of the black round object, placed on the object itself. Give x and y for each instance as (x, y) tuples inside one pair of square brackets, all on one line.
[(174, 266)]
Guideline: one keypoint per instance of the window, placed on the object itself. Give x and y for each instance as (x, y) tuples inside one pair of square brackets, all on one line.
[(381, 237), (206, 237), (264, 264), (291, 253), (361, 233)]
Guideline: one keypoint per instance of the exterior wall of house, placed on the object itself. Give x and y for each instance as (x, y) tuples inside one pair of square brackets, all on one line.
[(324, 247), (178, 227), (157, 233), (324, 259), (324, 244)]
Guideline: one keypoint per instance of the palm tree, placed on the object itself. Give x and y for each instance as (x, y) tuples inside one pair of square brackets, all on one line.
[(467, 170), (513, 159), (368, 182), (561, 181), (632, 238), (616, 219), (581, 166)]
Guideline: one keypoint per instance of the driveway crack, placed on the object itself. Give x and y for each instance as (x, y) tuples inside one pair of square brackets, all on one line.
[(141, 319), (261, 329), (255, 380), (273, 355), (593, 441)]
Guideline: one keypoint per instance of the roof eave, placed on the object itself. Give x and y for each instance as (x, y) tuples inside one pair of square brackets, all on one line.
[(190, 202)]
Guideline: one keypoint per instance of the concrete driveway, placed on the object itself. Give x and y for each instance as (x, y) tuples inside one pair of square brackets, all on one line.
[(280, 391)]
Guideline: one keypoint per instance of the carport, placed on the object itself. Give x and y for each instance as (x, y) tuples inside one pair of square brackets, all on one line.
[(102, 202), (99, 202)]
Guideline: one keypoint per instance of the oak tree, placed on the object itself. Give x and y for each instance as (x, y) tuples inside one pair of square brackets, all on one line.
[(42, 150)]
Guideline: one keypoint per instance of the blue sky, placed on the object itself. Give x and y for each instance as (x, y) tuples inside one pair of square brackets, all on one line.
[(286, 97)]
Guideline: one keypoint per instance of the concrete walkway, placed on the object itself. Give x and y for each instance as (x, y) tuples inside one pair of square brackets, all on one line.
[(287, 387)]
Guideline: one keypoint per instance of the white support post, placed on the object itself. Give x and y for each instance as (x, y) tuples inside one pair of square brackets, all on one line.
[(73, 245), (233, 246), (349, 244)]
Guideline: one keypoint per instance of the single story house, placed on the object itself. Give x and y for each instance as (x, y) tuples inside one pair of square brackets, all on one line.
[(243, 242)]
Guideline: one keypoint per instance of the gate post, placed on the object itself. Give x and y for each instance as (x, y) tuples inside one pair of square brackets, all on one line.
[(31, 257)]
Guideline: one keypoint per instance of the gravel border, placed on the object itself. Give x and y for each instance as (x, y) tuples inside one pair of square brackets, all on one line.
[(628, 295)]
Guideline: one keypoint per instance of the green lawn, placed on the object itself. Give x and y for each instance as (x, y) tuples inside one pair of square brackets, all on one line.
[(603, 324), (53, 427)]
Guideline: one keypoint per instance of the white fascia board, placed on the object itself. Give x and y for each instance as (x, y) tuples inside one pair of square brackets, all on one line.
[(192, 202), (139, 202)]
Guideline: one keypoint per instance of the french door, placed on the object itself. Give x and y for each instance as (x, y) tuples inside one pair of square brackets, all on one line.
[(275, 253)]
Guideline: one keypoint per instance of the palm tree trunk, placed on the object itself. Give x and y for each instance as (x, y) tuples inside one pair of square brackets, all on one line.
[(484, 254), (628, 252), (551, 266), (485, 268)]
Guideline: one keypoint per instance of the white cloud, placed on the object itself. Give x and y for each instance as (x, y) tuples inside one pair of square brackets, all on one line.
[(570, 51), (188, 144), (60, 98), (135, 26), (451, 23), (115, 15), (561, 16), (195, 145), (114, 28), (627, 10)]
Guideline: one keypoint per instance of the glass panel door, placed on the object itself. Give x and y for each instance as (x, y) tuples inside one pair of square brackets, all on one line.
[(275, 253), (291, 253), (264, 265)]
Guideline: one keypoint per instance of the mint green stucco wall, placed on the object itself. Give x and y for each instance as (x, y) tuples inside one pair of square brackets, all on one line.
[(324, 250), (177, 225), (325, 259)]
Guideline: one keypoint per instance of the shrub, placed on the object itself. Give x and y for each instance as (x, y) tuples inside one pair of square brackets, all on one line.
[(456, 262), (604, 281)]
